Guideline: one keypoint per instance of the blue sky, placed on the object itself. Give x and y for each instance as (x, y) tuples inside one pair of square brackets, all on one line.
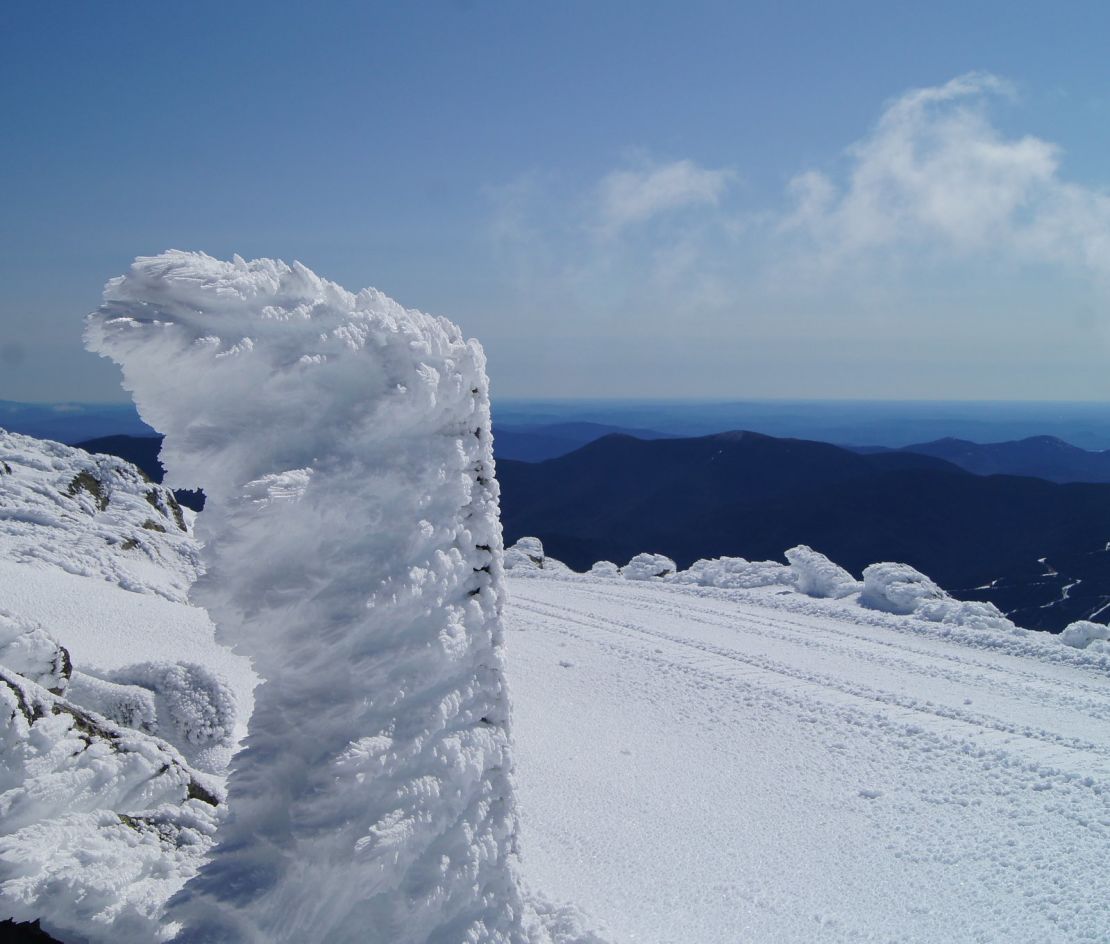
[(618, 199)]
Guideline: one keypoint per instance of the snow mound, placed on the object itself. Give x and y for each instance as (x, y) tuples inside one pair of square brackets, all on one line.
[(528, 554), (94, 516), (736, 572), (100, 823), (605, 569), (27, 648), (897, 588), (648, 567), (971, 613), (188, 705), (353, 551), (1084, 634), (817, 576)]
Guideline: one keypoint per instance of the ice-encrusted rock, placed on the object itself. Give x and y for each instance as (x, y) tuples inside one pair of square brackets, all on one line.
[(186, 704), (897, 588), (605, 569), (99, 823), (648, 567), (817, 576), (1085, 634), (525, 554), (736, 572), (353, 550), (94, 516), (528, 555), (28, 648), (971, 613)]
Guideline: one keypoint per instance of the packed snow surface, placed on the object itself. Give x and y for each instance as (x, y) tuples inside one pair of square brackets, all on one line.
[(706, 765)]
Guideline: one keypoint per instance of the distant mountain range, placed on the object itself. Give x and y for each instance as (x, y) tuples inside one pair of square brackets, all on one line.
[(1037, 549), (534, 443), (1043, 457)]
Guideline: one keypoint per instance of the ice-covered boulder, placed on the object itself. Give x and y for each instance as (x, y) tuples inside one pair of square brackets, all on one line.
[(648, 567), (971, 613), (186, 704), (1085, 634), (736, 572), (99, 823), (526, 554), (817, 576), (353, 551), (27, 648), (605, 569), (93, 516), (897, 588)]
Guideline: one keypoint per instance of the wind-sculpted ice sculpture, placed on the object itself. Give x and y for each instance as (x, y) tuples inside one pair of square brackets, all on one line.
[(352, 550)]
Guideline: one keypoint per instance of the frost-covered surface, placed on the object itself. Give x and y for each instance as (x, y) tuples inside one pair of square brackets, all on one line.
[(897, 588), (93, 516), (186, 704), (27, 648), (648, 567), (769, 767), (528, 554), (605, 569), (100, 823), (1083, 634), (817, 576), (971, 613), (353, 552), (735, 572)]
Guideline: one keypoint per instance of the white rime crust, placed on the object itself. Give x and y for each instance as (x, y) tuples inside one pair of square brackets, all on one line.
[(353, 552)]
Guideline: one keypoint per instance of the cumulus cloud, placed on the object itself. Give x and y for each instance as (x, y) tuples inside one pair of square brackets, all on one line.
[(937, 173), (629, 197)]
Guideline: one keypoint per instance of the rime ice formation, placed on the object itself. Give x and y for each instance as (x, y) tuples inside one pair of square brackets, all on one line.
[(100, 823), (735, 572), (1083, 634), (648, 567), (897, 588), (353, 551), (817, 576), (528, 554)]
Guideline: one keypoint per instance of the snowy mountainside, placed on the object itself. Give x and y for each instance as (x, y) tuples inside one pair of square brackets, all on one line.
[(121, 712)]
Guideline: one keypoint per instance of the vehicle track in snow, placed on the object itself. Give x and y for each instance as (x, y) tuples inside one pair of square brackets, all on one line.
[(909, 787)]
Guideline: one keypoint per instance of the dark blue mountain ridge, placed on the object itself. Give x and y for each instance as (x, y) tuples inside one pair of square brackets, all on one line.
[(748, 495)]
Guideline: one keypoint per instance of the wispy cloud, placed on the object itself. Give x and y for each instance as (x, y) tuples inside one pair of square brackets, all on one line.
[(628, 197), (937, 175)]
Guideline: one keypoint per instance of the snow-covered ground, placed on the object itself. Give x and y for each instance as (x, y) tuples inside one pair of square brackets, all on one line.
[(706, 765), (738, 761)]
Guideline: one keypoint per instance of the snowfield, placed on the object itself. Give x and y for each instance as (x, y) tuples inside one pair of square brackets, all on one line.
[(742, 751), (707, 765)]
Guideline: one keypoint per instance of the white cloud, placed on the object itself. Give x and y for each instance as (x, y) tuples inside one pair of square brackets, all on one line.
[(628, 197), (936, 174)]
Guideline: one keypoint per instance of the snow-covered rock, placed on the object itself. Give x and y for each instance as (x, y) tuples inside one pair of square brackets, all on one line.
[(528, 554), (648, 567), (353, 551), (971, 613), (186, 704), (27, 648), (99, 823), (817, 576), (897, 588), (1085, 634), (736, 572), (605, 569), (92, 515)]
